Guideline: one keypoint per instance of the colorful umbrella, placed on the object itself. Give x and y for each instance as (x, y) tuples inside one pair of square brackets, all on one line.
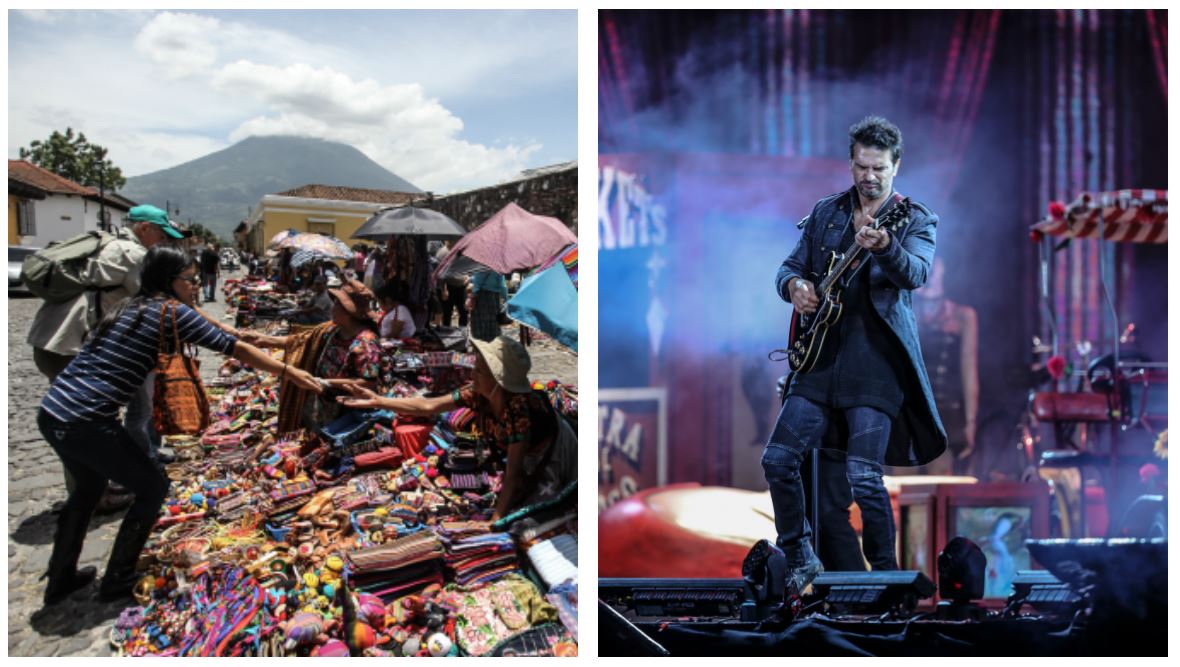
[(1134, 216), (409, 221), (277, 239), (511, 240), (548, 299), (325, 246)]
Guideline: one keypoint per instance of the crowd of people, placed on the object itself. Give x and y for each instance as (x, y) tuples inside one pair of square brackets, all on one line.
[(100, 351)]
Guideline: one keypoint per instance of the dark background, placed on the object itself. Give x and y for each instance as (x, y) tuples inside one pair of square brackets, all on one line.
[(737, 122)]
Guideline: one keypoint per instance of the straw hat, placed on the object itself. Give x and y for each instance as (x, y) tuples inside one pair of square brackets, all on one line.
[(508, 361)]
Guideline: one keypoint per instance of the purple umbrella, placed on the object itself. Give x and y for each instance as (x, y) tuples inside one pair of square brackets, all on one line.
[(511, 240)]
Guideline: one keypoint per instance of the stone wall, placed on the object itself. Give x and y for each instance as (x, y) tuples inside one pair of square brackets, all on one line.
[(553, 194)]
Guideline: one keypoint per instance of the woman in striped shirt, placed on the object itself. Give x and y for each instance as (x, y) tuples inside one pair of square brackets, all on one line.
[(79, 417)]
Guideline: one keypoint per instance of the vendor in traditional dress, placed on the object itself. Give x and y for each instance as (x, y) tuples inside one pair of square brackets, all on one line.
[(344, 350), (542, 448)]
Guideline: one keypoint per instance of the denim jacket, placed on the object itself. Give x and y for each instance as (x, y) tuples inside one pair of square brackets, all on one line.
[(917, 436)]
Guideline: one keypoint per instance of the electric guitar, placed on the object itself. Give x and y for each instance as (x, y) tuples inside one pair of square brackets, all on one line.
[(808, 332)]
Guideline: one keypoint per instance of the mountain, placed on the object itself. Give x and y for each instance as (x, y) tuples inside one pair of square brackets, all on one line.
[(218, 189)]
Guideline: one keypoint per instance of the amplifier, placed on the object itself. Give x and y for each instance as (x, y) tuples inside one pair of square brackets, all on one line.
[(654, 599)]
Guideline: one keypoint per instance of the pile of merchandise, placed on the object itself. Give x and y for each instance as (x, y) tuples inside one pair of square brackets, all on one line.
[(369, 537), (257, 301)]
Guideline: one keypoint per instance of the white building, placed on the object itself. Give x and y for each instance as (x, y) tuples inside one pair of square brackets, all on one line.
[(55, 208)]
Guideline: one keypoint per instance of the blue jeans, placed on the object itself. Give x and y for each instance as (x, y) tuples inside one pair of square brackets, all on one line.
[(94, 452), (801, 426)]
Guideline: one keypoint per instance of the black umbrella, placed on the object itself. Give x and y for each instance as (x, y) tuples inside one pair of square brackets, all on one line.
[(408, 221)]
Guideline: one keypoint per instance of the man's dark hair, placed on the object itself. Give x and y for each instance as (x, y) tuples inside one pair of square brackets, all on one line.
[(875, 132)]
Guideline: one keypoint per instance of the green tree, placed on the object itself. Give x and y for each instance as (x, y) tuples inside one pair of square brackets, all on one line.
[(71, 156), (205, 234)]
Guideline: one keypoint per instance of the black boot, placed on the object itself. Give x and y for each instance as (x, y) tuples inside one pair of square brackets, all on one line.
[(120, 577), (63, 573), (804, 567)]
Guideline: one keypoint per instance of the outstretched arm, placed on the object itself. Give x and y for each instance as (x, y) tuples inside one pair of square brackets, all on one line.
[(362, 397), (249, 354)]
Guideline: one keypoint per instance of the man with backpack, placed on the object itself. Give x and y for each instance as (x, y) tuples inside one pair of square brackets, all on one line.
[(82, 278)]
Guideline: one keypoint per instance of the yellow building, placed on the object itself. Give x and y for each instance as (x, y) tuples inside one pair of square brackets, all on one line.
[(321, 209)]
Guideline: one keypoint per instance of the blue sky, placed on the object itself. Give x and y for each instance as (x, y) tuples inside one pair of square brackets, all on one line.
[(446, 99)]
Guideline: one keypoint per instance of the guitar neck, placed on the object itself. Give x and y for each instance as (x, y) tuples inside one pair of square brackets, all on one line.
[(854, 250), (837, 272)]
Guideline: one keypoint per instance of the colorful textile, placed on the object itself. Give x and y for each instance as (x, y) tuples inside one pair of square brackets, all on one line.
[(527, 418), (356, 358), (487, 615), (565, 598), (485, 316)]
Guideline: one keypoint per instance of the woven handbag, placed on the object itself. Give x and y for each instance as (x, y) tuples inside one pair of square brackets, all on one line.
[(179, 406)]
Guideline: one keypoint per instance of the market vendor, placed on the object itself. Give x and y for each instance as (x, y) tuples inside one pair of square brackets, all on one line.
[(79, 416), (542, 448), (343, 350), (397, 322), (317, 310)]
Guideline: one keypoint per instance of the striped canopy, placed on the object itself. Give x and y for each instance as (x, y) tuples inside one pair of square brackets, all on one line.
[(1134, 216), (302, 257)]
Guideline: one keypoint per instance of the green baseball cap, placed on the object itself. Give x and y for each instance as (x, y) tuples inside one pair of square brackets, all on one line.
[(149, 213)]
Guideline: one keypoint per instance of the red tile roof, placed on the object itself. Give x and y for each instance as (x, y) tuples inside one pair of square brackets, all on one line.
[(43, 179), (342, 193)]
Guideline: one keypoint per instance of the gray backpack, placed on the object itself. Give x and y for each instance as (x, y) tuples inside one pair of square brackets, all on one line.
[(60, 271)]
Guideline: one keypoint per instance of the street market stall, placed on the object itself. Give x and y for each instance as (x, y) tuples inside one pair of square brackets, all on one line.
[(370, 536)]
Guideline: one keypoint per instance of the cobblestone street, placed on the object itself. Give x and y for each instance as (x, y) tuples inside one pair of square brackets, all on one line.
[(81, 625)]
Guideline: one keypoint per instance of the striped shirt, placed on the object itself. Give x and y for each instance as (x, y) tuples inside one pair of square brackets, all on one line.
[(102, 378)]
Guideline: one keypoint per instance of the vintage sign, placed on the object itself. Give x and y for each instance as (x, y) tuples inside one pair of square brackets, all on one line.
[(632, 442)]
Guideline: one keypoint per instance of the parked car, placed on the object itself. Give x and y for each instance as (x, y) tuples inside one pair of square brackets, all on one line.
[(229, 260), (16, 257)]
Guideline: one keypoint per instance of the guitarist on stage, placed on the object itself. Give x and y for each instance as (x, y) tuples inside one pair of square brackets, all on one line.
[(870, 383)]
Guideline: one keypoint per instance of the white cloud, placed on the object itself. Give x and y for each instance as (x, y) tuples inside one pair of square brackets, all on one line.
[(397, 126), (184, 44), (202, 81)]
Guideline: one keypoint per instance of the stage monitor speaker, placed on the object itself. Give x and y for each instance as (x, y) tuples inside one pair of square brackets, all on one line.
[(873, 592), (619, 637), (1043, 592), (662, 599)]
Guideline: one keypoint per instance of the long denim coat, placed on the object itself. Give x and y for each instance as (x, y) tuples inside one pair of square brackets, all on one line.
[(917, 436)]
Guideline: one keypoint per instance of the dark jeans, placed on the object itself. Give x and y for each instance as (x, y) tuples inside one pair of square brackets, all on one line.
[(94, 452), (801, 426), (209, 281), (454, 298)]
